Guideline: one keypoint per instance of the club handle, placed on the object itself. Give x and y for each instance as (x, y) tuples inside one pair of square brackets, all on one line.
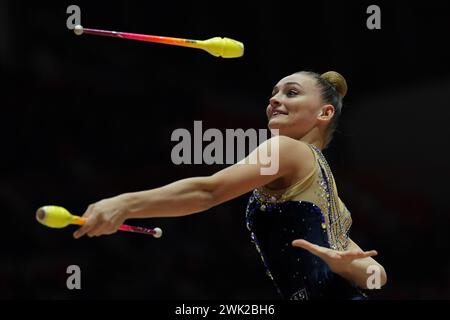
[(124, 227)]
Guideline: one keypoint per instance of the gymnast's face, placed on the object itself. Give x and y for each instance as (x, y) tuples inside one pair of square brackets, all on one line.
[(294, 106)]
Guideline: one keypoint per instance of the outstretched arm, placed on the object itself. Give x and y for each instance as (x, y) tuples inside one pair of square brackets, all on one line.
[(197, 194), (353, 264)]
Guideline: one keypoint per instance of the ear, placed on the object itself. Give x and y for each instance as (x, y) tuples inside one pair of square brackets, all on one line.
[(326, 112)]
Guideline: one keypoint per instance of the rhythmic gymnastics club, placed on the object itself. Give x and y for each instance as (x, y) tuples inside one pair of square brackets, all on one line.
[(59, 217), (217, 46)]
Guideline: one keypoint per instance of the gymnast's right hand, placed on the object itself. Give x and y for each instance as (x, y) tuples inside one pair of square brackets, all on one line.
[(103, 217)]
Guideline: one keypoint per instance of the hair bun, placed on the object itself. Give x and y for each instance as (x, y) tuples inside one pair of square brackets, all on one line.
[(337, 81)]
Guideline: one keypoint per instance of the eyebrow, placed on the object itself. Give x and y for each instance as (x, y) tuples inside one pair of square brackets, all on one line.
[(289, 83)]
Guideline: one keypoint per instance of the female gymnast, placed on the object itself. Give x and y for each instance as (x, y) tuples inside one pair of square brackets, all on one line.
[(296, 219)]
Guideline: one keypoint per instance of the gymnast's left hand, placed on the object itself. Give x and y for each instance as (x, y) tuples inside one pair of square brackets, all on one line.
[(338, 261), (103, 217)]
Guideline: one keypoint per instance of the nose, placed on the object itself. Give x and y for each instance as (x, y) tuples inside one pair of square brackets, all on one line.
[(274, 102)]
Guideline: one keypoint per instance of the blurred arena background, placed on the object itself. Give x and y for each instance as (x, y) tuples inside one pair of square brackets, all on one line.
[(84, 118)]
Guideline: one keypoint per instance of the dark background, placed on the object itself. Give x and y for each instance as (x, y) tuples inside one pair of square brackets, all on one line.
[(84, 118)]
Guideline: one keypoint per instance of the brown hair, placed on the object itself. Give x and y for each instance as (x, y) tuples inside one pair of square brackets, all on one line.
[(333, 89)]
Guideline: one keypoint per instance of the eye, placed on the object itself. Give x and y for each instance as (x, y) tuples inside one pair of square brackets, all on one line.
[(292, 93)]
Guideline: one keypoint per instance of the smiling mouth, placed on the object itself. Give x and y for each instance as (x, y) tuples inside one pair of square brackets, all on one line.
[(276, 114)]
